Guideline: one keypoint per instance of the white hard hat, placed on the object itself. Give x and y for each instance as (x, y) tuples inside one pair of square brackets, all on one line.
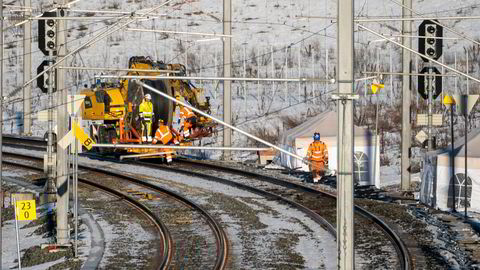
[(147, 96)]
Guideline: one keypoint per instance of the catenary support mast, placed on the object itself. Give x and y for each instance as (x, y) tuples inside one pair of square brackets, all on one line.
[(345, 56), (227, 72), (62, 129), (406, 100), (27, 70)]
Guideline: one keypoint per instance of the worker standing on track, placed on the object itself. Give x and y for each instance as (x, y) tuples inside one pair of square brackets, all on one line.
[(146, 116), (189, 120), (317, 154), (165, 135)]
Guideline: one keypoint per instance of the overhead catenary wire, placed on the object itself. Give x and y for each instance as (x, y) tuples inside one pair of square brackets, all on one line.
[(218, 78), (116, 26), (419, 54), (440, 24)]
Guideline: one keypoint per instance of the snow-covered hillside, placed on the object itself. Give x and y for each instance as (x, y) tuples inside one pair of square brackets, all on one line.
[(280, 38)]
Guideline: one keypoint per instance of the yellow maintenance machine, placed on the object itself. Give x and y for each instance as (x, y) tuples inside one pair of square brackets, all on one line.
[(113, 109)]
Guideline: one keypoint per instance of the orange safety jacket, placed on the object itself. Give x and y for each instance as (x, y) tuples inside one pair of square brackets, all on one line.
[(186, 113), (163, 134), (317, 151)]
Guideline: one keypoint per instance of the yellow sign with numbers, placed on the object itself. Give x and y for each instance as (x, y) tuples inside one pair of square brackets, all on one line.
[(82, 136), (26, 210)]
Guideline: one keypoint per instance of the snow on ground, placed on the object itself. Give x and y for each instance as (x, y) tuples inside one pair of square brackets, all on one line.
[(9, 246), (317, 247)]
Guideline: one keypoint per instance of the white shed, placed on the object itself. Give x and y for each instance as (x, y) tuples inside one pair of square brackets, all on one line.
[(297, 140), (438, 183)]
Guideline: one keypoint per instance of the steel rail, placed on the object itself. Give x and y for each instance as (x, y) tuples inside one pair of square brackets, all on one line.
[(314, 216), (220, 235), (402, 250), (162, 229)]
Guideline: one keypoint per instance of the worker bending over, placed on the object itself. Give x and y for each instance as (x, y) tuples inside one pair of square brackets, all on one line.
[(189, 120), (317, 154), (166, 136), (146, 116)]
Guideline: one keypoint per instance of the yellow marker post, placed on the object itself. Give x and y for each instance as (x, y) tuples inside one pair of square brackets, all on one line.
[(26, 210), (81, 135), (376, 86)]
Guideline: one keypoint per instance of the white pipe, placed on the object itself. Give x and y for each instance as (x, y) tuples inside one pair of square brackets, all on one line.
[(217, 78), (121, 69), (418, 18), (179, 32), (76, 18), (393, 18), (161, 146), (109, 12), (411, 74), (422, 55), (221, 122), (144, 155)]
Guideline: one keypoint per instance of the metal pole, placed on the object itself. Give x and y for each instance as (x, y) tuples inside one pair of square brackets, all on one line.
[(273, 71), (345, 56), (285, 72), (75, 186), (468, 82), (466, 174), (49, 186), (17, 236), (391, 77), (227, 72), (456, 78), (1, 125), (299, 73), (245, 82), (376, 145), (27, 71), (406, 99), (452, 157), (258, 74), (430, 111), (62, 129)]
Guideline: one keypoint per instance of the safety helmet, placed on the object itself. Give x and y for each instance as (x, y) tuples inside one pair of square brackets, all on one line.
[(148, 97), (160, 121), (316, 136)]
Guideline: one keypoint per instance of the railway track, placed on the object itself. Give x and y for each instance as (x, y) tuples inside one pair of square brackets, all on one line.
[(320, 206), (198, 220), (368, 226)]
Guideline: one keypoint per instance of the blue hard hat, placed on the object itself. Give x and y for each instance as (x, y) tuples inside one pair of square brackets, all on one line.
[(316, 136)]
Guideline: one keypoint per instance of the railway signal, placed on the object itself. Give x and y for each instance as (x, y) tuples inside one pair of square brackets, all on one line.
[(47, 34), (430, 43), (43, 80), (429, 82)]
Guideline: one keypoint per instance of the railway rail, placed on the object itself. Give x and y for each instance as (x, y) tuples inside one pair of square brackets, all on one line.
[(221, 241), (321, 203), (320, 206)]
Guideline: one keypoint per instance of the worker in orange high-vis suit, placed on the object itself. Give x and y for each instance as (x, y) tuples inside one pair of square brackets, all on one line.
[(189, 120), (317, 154), (165, 135)]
